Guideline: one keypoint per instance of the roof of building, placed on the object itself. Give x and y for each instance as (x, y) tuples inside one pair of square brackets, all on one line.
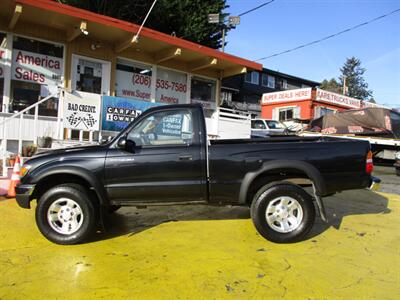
[(119, 33), (291, 77)]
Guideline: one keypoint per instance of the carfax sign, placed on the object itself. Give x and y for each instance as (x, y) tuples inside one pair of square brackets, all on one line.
[(118, 112)]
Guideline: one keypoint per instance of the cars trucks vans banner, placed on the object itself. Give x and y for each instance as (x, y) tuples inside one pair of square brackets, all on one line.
[(37, 68), (337, 99), (118, 112), (82, 111)]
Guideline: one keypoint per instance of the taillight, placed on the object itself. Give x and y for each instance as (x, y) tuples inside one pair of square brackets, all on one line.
[(369, 166)]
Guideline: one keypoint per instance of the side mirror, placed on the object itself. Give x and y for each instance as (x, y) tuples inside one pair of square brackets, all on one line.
[(122, 142)]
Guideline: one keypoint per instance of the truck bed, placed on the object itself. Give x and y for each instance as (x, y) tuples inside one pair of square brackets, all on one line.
[(340, 163)]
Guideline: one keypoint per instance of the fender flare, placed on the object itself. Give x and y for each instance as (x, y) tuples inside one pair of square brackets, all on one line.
[(44, 173), (312, 173)]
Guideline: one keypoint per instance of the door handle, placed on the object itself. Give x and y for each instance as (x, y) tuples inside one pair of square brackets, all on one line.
[(185, 157)]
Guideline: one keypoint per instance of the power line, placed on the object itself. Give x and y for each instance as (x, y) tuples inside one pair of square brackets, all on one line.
[(239, 15), (332, 35), (255, 8)]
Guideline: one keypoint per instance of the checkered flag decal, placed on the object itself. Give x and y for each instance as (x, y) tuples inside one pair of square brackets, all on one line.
[(74, 120)]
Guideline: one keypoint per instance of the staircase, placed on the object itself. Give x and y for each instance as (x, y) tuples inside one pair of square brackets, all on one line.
[(21, 128)]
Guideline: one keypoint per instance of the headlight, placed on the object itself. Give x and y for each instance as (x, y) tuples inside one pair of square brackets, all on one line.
[(398, 155), (24, 170)]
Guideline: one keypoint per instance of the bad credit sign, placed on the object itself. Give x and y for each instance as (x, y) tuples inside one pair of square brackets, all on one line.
[(37, 68), (170, 87), (290, 95), (82, 111)]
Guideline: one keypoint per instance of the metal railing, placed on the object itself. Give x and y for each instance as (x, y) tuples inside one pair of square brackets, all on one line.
[(20, 115)]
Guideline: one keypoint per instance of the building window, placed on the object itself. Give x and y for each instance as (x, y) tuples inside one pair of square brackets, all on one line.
[(264, 80), (3, 52), (35, 64), (89, 76), (171, 87), (133, 80), (268, 81), (271, 81), (203, 92), (284, 84), (252, 78), (286, 114)]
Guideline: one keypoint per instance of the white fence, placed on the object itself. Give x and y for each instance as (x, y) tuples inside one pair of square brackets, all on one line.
[(228, 124)]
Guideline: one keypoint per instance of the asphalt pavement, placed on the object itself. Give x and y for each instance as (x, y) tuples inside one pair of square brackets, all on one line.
[(390, 181)]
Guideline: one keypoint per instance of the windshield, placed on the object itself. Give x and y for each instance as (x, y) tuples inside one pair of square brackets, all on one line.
[(275, 125)]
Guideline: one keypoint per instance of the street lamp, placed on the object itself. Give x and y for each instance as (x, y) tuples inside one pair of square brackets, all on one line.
[(216, 19)]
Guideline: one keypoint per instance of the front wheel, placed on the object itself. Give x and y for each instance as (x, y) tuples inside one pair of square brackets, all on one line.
[(283, 213), (65, 214)]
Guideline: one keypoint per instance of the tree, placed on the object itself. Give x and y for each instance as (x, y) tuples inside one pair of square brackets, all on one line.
[(184, 18), (353, 72), (355, 82), (331, 85)]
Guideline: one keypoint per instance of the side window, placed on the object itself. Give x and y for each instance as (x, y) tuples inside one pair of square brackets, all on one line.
[(173, 127), (257, 124)]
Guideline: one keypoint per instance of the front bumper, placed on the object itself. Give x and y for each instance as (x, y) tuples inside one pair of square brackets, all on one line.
[(375, 183), (24, 194)]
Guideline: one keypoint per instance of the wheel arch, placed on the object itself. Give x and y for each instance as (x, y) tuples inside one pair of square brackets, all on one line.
[(55, 176), (278, 171)]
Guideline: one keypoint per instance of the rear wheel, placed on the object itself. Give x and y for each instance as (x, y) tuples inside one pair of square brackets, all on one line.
[(65, 214), (283, 213)]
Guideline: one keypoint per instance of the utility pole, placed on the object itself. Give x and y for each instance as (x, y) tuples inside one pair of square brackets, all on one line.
[(216, 19), (344, 85)]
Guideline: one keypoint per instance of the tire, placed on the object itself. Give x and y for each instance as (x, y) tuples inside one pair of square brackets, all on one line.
[(65, 214), (283, 225), (113, 208)]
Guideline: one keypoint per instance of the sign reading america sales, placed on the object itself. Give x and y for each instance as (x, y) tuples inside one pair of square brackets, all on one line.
[(37, 68)]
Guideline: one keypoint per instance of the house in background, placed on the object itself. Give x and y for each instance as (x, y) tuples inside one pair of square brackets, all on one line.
[(244, 91)]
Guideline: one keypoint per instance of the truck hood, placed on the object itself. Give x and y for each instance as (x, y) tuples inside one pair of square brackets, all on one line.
[(83, 152)]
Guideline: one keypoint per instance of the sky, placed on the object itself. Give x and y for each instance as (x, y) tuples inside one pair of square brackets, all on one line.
[(285, 24)]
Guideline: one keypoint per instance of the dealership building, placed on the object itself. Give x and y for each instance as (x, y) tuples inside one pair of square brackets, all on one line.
[(45, 45)]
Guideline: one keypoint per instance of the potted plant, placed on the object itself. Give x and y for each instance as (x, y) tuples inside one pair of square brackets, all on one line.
[(11, 160), (45, 141), (29, 150)]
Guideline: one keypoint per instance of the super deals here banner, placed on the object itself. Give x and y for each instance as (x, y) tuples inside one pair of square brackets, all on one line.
[(82, 111), (118, 112)]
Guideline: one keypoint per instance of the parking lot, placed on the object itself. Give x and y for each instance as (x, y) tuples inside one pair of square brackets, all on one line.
[(204, 252)]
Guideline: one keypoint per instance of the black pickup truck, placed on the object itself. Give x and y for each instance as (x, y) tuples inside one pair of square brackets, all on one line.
[(164, 157)]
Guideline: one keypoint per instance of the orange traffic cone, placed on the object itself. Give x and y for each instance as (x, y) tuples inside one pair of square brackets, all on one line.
[(15, 178)]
